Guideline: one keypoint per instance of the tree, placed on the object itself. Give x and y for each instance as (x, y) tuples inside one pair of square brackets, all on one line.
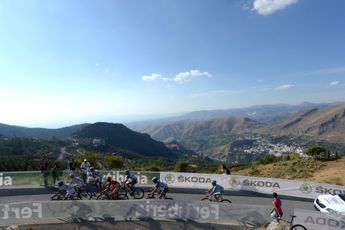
[(115, 162), (182, 166), (317, 152)]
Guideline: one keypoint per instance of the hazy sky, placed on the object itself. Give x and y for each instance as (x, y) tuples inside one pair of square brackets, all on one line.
[(68, 61)]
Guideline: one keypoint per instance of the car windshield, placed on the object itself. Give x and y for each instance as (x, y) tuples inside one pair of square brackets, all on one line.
[(342, 196)]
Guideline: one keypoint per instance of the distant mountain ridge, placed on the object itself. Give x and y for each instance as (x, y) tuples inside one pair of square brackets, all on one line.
[(266, 114), (19, 131), (199, 128), (324, 124)]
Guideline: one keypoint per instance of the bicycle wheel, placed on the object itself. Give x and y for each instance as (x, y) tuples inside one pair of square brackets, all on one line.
[(298, 227), (138, 193), (103, 196), (122, 194), (225, 201), (205, 199), (84, 195)]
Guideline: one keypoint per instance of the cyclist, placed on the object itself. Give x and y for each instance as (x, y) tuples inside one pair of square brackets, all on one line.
[(130, 180), (160, 187), (69, 188), (217, 191), (113, 186), (98, 176), (77, 182), (277, 211)]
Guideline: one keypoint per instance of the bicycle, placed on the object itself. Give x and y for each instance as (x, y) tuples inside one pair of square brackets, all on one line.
[(210, 198), (107, 195), (153, 196), (136, 193), (91, 190), (288, 225), (62, 194)]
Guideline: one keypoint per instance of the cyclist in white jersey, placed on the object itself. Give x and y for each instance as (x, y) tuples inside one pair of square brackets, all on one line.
[(130, 180), (77, 182), (99, 176), (69, 188), (160, 187)]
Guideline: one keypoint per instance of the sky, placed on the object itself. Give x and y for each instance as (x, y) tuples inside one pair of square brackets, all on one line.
[(65, 62)]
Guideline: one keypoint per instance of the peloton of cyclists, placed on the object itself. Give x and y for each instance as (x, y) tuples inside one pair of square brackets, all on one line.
[(217, 191), (160, 187)]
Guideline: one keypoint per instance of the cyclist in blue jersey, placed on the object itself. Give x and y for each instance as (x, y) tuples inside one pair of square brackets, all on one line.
[(217, 191)]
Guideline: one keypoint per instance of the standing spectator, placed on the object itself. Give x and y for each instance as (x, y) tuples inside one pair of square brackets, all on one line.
[(55, 173), (85, 167), (72, 166), (225, 170), (43, 167)]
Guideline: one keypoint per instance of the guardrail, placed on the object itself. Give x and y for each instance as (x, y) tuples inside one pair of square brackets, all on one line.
[(293, 188)]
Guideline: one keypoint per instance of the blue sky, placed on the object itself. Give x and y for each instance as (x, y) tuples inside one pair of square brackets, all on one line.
[(67, 61)]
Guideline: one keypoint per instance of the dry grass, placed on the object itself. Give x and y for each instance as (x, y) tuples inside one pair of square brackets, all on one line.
[(305, 169)]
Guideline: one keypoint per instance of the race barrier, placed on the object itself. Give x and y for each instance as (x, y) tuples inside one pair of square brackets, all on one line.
[(197, 211), (293, 188)]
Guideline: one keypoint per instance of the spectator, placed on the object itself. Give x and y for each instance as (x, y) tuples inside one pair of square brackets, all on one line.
[(43, 167), (225, 170), (85, 167), (55, 172), (72, 166)]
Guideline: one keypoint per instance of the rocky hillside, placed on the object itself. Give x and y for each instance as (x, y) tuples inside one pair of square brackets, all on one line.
[(326, 124), (118, 138)]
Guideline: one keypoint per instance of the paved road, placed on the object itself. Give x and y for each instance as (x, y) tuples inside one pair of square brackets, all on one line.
[(195, 195)]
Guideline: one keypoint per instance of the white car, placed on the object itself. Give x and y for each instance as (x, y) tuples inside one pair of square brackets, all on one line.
[(331, 204)]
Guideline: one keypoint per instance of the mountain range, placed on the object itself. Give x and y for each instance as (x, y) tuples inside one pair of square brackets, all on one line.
[(209, 133), (323, 124)]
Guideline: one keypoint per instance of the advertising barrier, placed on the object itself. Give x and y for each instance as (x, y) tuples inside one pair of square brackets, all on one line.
[(251, 216), (294, 188), (256, 184)]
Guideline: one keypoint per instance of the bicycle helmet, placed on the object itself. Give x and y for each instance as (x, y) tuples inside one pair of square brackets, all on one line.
[(214, 182), (92, 169), (154, 180), (71, 175), (60, 183)]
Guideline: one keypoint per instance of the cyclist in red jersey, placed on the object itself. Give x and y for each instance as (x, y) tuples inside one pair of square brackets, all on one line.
[(113, 186), (277, 211)]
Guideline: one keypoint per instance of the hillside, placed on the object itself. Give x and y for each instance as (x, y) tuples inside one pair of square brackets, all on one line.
[(326, 124), (200, 128), (118, 138), (218, 138), (303, 169)]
